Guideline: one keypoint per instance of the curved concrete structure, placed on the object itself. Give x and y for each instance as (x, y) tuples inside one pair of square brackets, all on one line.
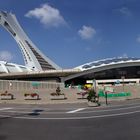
[(12, 68), (92, 68), (108, 62), (33, 57)]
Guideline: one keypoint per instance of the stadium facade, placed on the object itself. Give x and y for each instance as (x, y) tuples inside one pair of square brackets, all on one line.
[(40, 67), (111, 68)]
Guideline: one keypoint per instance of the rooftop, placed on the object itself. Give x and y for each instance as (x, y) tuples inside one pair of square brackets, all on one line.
[(107, 61)]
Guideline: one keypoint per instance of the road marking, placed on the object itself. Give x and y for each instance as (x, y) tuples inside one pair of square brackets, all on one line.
[(70, 112), (71, 118), (79, 118), (109, 110), (128, 104), (74, 111), (8, 108)]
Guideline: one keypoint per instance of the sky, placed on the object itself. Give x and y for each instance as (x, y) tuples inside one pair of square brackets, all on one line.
[(74, 32)]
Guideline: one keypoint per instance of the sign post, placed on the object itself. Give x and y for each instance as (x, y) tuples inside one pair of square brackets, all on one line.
[(106, 98), (108, 90)]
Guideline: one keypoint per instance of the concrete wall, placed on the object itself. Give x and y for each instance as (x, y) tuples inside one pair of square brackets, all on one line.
[(133, 89), (70, 94)]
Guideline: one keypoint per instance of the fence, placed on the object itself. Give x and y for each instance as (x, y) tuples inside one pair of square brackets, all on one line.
[(12, 85)]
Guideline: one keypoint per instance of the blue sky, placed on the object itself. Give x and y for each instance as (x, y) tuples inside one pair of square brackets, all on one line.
[(74, 32)]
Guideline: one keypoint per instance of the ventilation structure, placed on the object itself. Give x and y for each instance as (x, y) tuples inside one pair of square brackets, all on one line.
[(33, 57)]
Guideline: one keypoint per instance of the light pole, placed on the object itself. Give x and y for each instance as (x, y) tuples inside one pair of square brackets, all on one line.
[(94, 84), (123, 77)]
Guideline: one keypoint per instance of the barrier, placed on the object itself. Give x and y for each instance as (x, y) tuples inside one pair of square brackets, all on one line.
[(55, 96), (121, 94), (30, 96), (7, 96)]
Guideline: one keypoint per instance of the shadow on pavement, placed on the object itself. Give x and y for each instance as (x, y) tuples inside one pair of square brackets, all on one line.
[(35, 112)]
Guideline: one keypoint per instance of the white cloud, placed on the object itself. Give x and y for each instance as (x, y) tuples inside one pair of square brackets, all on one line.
[(6, 56), (125, 11), (87, 32), (49, 16)]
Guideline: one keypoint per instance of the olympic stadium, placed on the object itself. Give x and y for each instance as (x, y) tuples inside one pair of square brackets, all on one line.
[(39, 67)]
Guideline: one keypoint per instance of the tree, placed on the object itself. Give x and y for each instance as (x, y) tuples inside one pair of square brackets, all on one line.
[(93, 97)]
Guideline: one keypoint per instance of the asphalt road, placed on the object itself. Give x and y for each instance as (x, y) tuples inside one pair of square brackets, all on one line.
[(70, 122)]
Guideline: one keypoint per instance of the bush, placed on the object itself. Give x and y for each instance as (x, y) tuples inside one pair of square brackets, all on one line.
[(92, 97)]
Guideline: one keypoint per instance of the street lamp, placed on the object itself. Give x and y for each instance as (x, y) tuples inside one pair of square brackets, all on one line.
[(123, 77)]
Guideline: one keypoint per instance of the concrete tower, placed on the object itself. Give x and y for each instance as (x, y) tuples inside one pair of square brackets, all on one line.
[(33, 57)]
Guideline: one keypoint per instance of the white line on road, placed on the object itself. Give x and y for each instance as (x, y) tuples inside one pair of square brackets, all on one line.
[(73, 111), (8, 108), (109, 110), (79, 118)]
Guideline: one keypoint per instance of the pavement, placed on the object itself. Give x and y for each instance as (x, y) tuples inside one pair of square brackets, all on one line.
[(117, 120)]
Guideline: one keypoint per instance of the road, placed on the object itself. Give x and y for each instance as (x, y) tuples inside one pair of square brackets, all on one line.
[(70, 122)]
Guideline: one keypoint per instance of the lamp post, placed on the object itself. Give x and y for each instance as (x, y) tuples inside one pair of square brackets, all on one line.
[(94, 84), (123, 77)]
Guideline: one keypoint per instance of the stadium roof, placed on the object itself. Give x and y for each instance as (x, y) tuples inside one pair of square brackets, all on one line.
[(6, 67), (108, 61)]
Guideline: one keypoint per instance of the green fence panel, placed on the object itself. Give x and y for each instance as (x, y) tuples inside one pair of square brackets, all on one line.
[(121, 94), (101, 93)]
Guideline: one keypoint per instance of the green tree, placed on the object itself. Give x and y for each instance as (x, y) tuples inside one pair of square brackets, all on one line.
[(92, 96)]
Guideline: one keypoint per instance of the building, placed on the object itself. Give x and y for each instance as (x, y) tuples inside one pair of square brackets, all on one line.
[(111, 68), (40, 67)]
